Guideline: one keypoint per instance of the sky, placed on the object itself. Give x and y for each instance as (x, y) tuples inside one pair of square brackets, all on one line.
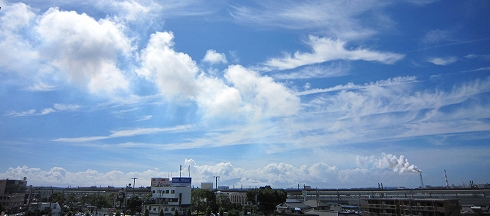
[(329, 94)]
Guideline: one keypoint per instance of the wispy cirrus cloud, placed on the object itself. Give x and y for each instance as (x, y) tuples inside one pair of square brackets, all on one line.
[(352, 86), (437, 36), (42, 87), (316, 71), (483, 57), (442, 61), (145, 118), (346, 114), (126, 133), (124, 111), (68, 107), (56, 108), (384, 110), (30, 112), (478, 69), (336, 19), (327, 49)]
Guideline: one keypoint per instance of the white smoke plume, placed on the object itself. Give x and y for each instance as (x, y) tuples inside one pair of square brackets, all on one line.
[(399, 164), (389, 161)]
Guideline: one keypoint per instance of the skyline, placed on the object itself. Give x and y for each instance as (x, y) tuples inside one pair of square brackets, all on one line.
[(330, 94)]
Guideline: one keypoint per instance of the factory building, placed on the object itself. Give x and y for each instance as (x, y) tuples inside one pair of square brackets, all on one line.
[(408, 206)]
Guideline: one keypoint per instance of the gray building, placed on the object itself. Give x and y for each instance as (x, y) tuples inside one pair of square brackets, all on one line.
[(12, 193)]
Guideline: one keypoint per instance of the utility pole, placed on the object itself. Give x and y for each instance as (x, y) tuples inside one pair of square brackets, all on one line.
[(216, 177)]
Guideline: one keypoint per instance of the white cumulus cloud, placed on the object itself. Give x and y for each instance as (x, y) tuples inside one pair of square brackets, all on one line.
[(213, 57), (174, 72), (16, 51), (84, 49), (261, 93)]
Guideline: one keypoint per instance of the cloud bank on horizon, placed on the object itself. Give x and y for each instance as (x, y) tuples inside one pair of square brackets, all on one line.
[(260, 93)]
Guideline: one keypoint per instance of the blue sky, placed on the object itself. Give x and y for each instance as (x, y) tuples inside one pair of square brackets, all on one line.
[(331, 94)]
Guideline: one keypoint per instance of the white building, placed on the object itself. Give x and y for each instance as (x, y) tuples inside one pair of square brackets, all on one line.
[(238, 197), (169, 198), (54, 208)]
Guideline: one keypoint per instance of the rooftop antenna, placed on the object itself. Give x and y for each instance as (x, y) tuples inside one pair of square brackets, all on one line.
[(189, 169), (180, 175), (445, 176)]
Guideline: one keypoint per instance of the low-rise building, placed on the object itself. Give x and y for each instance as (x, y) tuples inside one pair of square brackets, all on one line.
[(239, 198), (170, 198), (207, 185), (292, 206), (47, 208), (408, 206)]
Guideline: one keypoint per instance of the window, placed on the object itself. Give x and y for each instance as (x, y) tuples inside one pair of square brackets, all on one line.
[(166, 191), (173, 191)]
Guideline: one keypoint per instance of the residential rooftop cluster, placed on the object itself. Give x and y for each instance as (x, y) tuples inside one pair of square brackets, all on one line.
[(176, 197)]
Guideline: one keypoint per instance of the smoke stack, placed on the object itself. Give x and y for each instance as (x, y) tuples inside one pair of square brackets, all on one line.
[(445, 176), (421, 180)]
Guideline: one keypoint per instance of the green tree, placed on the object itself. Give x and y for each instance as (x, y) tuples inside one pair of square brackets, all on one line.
[(71, 199), (57, 197), (161, 213), (237, 206), (233, 212), (208, 211), (188, 213), (134, 204), (266, 198), (118, 213), (2, 209), (224, 202), (105, 201), (252, 195), (176, 213), (147, 212), (201, 199), (221, 212)]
